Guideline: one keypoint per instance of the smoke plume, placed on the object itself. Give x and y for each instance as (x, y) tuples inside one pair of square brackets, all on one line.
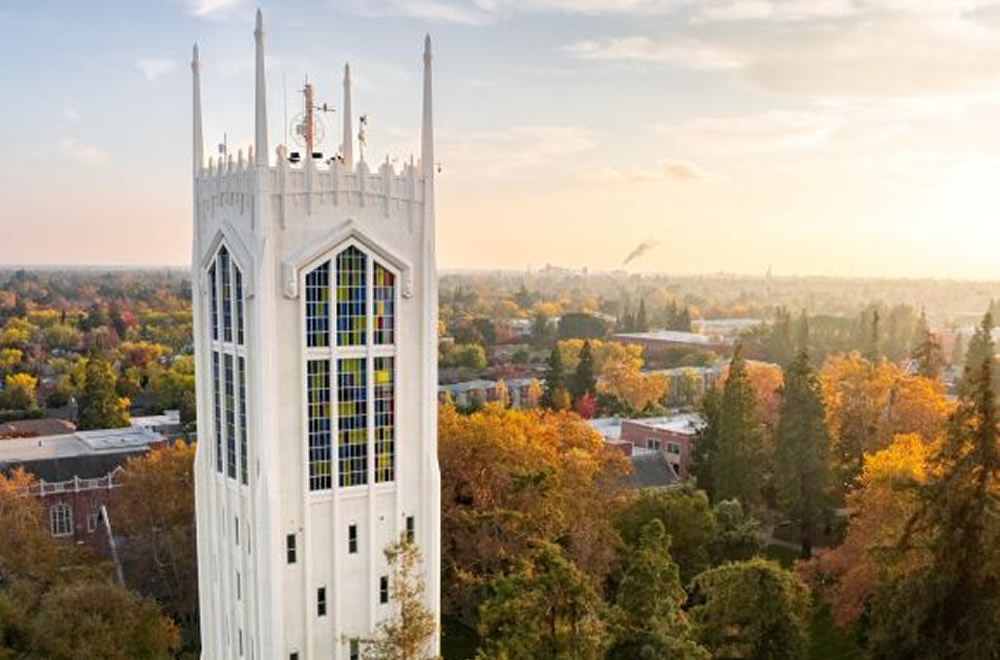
[(639, 250)]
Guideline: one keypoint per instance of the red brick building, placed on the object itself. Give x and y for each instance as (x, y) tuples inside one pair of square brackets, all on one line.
[(672, 436)]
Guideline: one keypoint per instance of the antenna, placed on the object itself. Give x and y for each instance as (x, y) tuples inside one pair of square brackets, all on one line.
[(224, 145), (362, 134), (309, 130)]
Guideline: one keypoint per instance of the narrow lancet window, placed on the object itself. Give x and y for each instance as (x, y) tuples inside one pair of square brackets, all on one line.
[(352, 315), (385, 305), (352, 421), (385, 422), (320, 428), (318, 307)]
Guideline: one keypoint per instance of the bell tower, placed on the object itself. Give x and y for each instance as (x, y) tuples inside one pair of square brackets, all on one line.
[(315, 324)]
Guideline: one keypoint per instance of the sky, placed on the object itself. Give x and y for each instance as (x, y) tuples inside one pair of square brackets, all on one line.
[(821, 137)]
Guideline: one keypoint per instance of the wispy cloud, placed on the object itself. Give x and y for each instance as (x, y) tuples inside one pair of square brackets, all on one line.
[(156, 68), (79, 152), (766, 132), (688, 53), (210, 7), (481, 12), (778, 10), (668, 169), (507, 151), (71, 113)]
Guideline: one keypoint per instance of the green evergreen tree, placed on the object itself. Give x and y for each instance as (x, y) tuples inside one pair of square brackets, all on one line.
[(707, 443), (649, 599), (100, 407), (980, 351), (947, 608), (927, 350), (873, 343), (781, 346), (739, 452), (584, 380), (801, 452), (641, 320), (555, 381), (684, 320)]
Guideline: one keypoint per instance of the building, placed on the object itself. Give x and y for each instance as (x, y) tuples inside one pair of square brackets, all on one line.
[(483, 391), (687, 385), (315, 323), (169, 423), (658, 341), (28, 428), (672, 436)]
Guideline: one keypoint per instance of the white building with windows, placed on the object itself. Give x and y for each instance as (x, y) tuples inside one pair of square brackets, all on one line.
[(315, 334)]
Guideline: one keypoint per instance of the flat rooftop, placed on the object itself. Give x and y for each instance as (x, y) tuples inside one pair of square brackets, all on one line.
[(681, 424), (81, 443)]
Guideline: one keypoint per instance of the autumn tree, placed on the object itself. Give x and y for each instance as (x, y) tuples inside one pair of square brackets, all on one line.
[(948, 607), (801, 452), (512, 476), (100, 405), (19, 391), (101, 620), (649, 599), (739, 452), (154, 510), (751, 609), (406, 635), (543, 607)]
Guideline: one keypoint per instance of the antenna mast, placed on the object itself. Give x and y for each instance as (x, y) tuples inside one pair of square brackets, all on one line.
[(309, 125)]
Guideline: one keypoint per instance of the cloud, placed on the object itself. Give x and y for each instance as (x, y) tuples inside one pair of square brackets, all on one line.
[(211, 7), (766, 132), (688, 53), (683, 171), (74, 150), (155, 69), (778, 10), (508, 151), (482, 12), (71, 113)]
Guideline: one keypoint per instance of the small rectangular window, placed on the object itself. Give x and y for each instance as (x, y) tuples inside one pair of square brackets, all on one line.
[(239, 587), (352, 539), (236, 529), (241, 641), (321, 601), (383, 589), (354, 650), (293, 656), (93, 520), (290, 548), (411, 529)]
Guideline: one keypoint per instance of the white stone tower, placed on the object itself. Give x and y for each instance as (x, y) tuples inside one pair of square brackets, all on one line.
[(315, 322)]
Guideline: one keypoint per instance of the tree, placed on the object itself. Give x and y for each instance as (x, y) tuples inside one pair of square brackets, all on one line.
[(555, 381), (584, 379), (582, 326), (100, 405), (927, 350), (641, 319), (801, 456), (739, 534), (781, 347), (632, 391), (408, 632), (154, 510), (739, 451), (510, 476), (706, 444), (101, 620), (649, 599), (980, 350), (543, 607), (685, 515), (751, 609), (948, 607), (19, 391)]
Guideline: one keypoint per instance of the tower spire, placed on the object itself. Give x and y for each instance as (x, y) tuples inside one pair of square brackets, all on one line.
[(198, 154), (260, 134), (347, 147), (427, 129)]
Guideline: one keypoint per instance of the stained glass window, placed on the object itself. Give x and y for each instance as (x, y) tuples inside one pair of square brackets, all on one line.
[(227, 295), (352, 421), (241, 361), (230, 402), (318, 306), (319, 414), (214, 301), (239, 304), (352, 317), (218, 410), (385, 426), (385, 305)]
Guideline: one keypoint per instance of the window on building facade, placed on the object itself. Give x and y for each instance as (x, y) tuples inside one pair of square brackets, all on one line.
[(653, 443), (93, 520), (61, 519), (352, 539), (354, 650), (411, 529), (355, 296), (320, 425), (673, 448), (321, 601), (229, 404), (352, 421), (290, 548), (383, 589)]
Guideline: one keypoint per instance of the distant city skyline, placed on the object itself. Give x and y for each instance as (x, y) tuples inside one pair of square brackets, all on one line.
[(815, 137)]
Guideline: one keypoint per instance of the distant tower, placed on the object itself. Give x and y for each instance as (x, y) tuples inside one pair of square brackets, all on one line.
[(315, 323)]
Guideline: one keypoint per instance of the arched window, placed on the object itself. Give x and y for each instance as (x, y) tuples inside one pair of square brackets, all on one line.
[(228, 362), (353, 373)]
